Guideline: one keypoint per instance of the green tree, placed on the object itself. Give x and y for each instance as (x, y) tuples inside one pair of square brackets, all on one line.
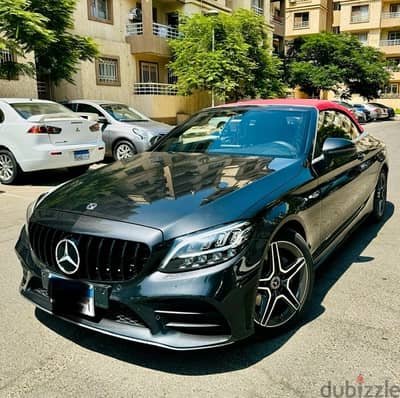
[(327, 61), (241, 64), (43, 27)]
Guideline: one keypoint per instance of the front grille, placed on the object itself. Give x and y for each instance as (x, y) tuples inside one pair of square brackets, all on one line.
[(101, 259)]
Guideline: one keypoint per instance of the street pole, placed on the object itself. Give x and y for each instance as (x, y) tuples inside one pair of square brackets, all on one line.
[(213, 49), (212, 13)]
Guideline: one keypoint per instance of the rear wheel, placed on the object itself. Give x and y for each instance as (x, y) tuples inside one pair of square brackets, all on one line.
[(285, 284), (9, 169), (124, 150), (380, 197)]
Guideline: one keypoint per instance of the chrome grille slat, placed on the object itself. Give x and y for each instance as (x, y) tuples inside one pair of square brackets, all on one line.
[(102, 258)]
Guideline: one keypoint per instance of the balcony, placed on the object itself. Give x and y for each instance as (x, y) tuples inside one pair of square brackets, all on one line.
[(390, 19), (143, 41), (279, 27), (155, 89), (359, 18), (390, 47), (301, 25)]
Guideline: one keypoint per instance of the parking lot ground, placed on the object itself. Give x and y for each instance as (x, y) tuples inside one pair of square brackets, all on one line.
[(353, 327)]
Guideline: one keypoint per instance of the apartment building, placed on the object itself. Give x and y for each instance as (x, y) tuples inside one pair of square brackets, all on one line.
[(132, 68), (17, 86), (373, 22)]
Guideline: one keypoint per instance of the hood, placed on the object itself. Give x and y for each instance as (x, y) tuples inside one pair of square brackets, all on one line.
[(156, 128), (175, 193)]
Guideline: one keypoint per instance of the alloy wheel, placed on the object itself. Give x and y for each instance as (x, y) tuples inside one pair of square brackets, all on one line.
[(283, 286), (124, 151), (380, 195), (7, 168)]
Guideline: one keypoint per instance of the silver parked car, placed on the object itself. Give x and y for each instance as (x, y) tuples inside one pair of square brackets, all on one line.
[(125, 130)]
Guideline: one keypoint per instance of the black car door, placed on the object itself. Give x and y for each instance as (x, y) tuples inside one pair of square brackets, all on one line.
[(344, 183)]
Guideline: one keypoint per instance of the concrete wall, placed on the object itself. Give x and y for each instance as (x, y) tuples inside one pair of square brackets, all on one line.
[(24, 86)]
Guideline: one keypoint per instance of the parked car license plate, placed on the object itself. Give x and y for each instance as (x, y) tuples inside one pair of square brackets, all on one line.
[(69, 296), (81, 155)]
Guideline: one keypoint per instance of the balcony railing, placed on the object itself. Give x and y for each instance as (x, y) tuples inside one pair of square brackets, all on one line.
[(301, 25), (276, 19), (387, 15), (258, 10), (386, 43), (155, 89), (359, 18), (166, 31), (134, 29)]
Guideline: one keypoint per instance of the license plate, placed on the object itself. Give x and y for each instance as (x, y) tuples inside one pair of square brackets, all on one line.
[(69, 296), (81, 155)]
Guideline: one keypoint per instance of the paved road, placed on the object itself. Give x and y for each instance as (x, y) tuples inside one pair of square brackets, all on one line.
[(353, 328)]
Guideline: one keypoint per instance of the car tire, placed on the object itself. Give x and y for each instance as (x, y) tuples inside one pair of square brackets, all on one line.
[(380, 196), (9, 168), (77, 171), (285, 285), (124, 150)]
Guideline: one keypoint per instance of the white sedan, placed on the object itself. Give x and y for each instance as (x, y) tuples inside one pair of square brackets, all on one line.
[(42, 135)]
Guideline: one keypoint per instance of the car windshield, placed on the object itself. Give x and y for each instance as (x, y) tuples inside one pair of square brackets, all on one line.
[(124, 113), (29, 109), (267, 131)]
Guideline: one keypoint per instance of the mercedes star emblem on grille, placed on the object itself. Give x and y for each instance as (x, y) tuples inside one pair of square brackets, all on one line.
[(67, 256)]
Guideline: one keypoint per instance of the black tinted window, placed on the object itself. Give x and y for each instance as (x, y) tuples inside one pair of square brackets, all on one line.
[(267, 131), (85, 108), (334, 124)]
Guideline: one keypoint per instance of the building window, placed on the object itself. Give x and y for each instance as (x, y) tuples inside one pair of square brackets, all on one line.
[(7, 65), (148, 72), (336, 30), (301, 20), (107, 71), (359, 14), (172, 79), (394, 35), (258, 6), (100, 10), (395, 8), (393, 63), (362, 36), (336, 6), (392, 90)]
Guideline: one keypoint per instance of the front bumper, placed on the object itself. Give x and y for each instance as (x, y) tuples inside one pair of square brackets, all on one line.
[(186, 311)]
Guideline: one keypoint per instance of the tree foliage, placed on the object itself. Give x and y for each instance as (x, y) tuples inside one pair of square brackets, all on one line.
[(241, 64), (327, 61), (43, 27)]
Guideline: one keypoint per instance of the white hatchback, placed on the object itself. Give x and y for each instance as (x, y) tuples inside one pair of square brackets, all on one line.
[(42, 135)]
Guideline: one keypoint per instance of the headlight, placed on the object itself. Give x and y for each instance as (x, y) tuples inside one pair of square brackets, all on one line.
[(207, 248), (32, 206), (139, 135)]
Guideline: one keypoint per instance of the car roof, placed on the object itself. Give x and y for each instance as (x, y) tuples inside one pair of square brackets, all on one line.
[(320, 105), (98, 102), (21, 100)]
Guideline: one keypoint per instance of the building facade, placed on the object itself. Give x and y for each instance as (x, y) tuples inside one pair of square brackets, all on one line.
[(374, 22), (132, 68)]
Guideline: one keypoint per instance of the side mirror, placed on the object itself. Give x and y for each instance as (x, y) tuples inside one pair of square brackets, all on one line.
[(338, 147), (102, 120)]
